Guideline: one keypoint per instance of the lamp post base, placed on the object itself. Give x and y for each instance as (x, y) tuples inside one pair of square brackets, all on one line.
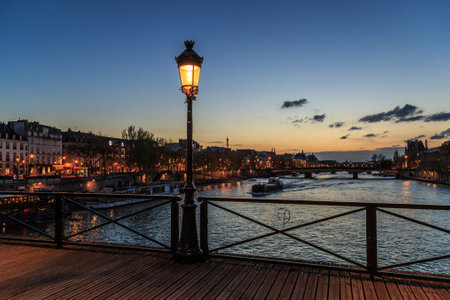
[(188, 250)]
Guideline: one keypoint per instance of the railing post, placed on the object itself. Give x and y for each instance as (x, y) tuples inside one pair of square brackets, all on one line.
[(371, 239), (174, 224), (59, 221), (204, 226)]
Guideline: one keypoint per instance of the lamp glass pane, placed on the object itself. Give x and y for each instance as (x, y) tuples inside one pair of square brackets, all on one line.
[(189, 75)]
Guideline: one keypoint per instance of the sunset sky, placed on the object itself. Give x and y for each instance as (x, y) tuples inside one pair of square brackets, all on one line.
[(289, 75)]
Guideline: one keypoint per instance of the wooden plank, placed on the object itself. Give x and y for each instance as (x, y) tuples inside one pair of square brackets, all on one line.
[(311, 286), (278, 284), (23, 264), (392, 289), (244, 284), (417, 291), (380, 289), (256, 283), (42, 274), (406, 292), (61, 285), (289, 284), (368, 287), (429, 290), (322, 286), (334, 286), (146, 269), (103, 278), (179, 273), (300, 286), (267, 284), (60, 277), (243, 275), (212, 294), (435, 290), (443, 292), (159, 270), (357, 286), (193, 280), (203, 287)]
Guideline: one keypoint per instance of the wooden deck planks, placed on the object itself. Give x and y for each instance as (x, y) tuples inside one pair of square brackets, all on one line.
[(357, 286), (322, 286), (393, 290), (255, 283), (46, 273), (278, 284), (300, 286), (194, 279), (311, 286), (406, 292), (204, 286), (66, 280), (334, 286), (222, 283), (368, 287), (235, 282), (51, 271), (289, 284), (266, 285)]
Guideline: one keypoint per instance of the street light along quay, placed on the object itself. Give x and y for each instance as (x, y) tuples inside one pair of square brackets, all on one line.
[(189, 65)]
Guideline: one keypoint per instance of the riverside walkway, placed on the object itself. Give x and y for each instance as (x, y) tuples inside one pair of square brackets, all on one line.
[(30, 272)]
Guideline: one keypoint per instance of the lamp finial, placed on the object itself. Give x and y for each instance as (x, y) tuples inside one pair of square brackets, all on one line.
[(189, 44)]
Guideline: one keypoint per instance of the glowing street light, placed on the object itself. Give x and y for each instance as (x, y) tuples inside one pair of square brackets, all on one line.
[(189, 66)]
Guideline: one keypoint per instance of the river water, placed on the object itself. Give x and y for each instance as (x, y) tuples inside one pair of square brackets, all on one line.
[(398, 240)]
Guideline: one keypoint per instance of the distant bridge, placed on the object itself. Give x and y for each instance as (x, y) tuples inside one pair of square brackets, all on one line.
[(308, 172)]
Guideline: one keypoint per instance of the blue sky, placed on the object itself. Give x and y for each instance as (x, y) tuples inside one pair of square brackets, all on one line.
[(104, 65)]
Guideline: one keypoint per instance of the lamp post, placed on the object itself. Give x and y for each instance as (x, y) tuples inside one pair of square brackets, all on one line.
[(189, 65)]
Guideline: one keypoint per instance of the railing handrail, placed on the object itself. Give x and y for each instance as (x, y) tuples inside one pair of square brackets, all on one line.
[(370, 208), (87, 195), (59, 237), (328, 203)]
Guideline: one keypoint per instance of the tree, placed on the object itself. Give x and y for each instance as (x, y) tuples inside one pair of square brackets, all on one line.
[(144, 150)]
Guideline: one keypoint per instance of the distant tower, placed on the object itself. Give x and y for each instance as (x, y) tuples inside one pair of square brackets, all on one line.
[(227, 142)]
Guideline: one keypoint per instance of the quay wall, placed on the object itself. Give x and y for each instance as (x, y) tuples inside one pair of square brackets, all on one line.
[(69, 184)]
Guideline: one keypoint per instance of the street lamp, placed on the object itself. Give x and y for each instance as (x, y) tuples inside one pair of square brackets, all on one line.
[(189, 65)]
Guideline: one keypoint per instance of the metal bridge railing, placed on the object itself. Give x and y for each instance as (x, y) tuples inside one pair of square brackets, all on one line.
[(372, 264), (58, 202)]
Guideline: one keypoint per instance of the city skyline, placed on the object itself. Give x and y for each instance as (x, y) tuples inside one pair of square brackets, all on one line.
[(291, 76)]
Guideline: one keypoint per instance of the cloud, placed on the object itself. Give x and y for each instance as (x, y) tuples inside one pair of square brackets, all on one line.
[(397, 114), (344, 137), (410, 119), (439, 117), (370, 135), (355, 128), (295, 103), (336, 125), (417, 137), (318, 118), (387, 131), (315, 118), (216, 142), (442, 135)]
